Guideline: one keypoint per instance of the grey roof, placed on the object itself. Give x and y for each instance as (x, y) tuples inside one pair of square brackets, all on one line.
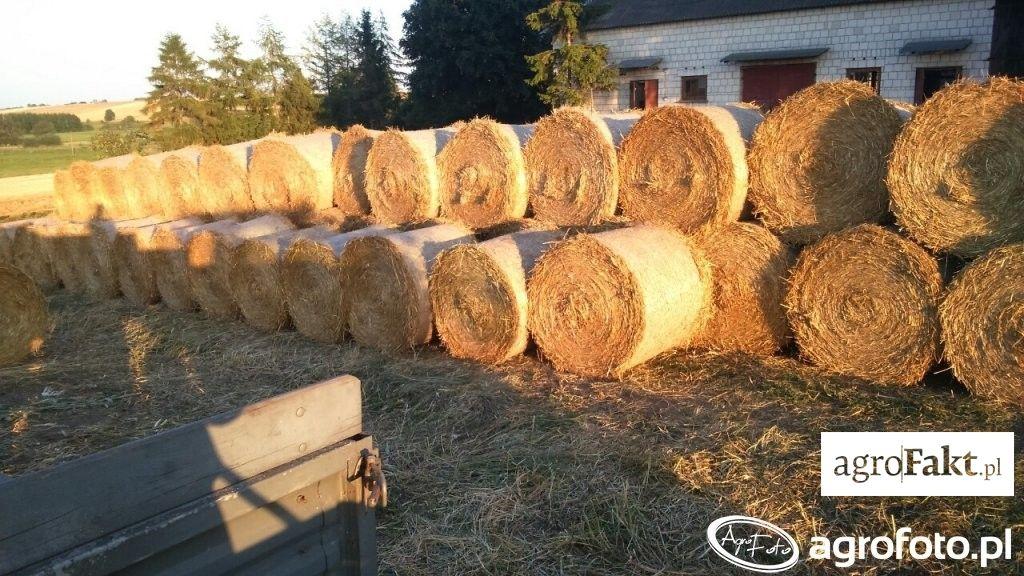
[(792, 54), (944, 46), (639, 63), (625, 13)]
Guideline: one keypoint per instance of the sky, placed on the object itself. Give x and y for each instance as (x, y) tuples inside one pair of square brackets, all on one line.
[(58, 52)]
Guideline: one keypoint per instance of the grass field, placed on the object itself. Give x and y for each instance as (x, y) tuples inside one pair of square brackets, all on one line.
[(26, 161), (518, 469), (92, 111)]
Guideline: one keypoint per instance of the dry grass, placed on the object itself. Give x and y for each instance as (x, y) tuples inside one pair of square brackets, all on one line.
[(515, 470)]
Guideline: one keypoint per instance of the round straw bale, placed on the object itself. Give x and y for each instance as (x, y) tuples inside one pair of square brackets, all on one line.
[(67, 241), (982, 318), (686, 166), (224, 180), (294, 173), (401, 174), (957, 171), (572, 166), (24, 319), (95, 258), (483, 174), (7, 232), (170, 264), (208, 254), (141, 181), (818, 161), (83, 195), (603, 303), (350, 170), (179, 183), (385, 283), (65, 196), (478, 294), (311, 281), (108, 196), (255, 276), (864, 303), (749, 266), (133, 263), (30, 252)]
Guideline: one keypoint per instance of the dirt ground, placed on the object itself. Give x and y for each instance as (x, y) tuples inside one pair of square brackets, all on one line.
[(517, 470)]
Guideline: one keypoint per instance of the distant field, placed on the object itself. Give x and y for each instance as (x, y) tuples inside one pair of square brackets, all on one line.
[(92, 111), (24, 161)]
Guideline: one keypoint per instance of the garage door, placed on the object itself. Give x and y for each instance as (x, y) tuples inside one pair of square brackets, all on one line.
[(769, 84)]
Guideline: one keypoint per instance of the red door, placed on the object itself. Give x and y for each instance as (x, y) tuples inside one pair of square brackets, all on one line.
[(651, 94), (770, 84)]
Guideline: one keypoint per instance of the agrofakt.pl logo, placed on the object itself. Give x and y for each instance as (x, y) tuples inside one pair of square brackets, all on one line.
[(760, 546)]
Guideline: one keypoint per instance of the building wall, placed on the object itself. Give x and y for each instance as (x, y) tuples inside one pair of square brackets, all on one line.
[(860, 36)]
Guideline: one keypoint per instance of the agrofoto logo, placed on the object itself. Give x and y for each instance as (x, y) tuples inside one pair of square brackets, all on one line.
[(753, 544)]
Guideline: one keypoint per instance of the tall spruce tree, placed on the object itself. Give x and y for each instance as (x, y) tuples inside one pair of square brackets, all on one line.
[(290, 93), (177, 105), (468, 60), (298, 104), (329, 56), (234, 94), (568, 73), (375, 92)]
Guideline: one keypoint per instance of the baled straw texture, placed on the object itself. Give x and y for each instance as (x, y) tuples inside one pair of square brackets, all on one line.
[(142, 190), (483, 174), (818, 161), (255, 276), (401, 175), (749, 266), (686, 166), (133, 263), (67, 241), (24, 318), (603, 303), (478, 294), (350, 170), (311, 281), (82, 194), (65, 196), (179, 183), (864, 303), (7, 232), (293, 173), (208, 254), (983, 325), (224, 180), (108, 194), (30, 252), (385, 282), (95, 258), (957, 171), (170, 264), (572, 166)]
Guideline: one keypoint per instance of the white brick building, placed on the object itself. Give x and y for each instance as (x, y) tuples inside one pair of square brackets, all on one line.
[(722, 51)]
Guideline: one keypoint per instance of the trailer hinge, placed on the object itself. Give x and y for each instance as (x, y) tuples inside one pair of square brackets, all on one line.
[(372, 472)]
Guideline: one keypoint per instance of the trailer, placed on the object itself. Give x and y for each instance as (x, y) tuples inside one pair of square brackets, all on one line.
[(288, 485)]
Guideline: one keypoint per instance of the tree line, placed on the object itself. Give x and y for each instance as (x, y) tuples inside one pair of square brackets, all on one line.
[(37, 129), (511, 60)]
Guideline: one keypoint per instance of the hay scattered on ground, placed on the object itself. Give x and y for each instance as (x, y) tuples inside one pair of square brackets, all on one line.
[(311, 282), (293, 174), (30, 252), (208, 255), (983, 325), (818, 161), (864, 302), (401, 175), (24, 319), (572, 166), (750, 267), (385, 282), (224, 179), (478, 294), (170, 263), (957, 171), (482, 174), (95, 259), (179, 184), (350, 170), (133, 263), (603, 303), (255, 276), (686, 166)]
